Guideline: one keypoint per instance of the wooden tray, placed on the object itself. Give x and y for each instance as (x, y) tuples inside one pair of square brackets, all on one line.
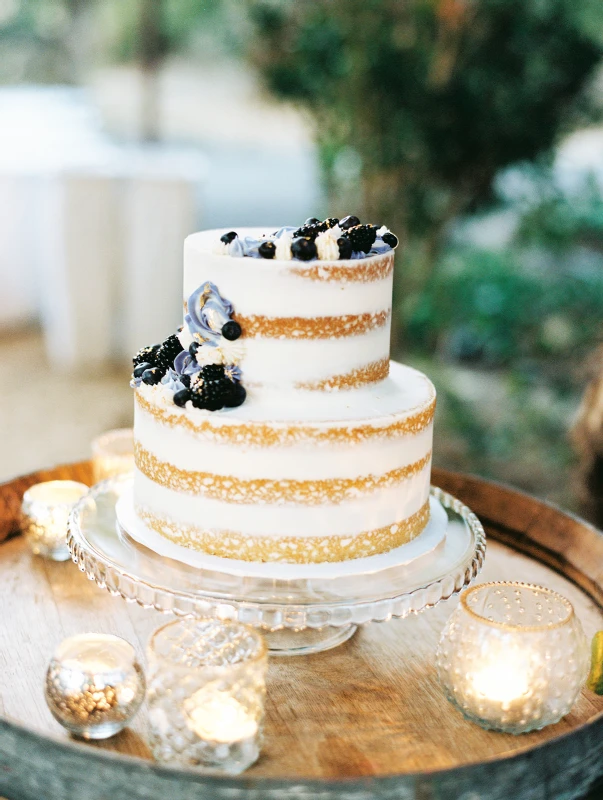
[(365, 720)]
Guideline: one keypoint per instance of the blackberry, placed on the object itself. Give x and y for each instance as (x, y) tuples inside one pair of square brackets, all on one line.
[(153, 376), (227, 238), (267, 249), (236, 396), (303, 249), (185, 380), (231, 330), (330, 222), (307, 231), (362, 237), (349, 222), (345, 247), (211, 372), (168, 351), (146, 355), (390, 238)]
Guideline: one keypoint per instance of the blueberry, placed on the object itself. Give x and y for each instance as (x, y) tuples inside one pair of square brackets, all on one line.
[(185, 380), (267, 249), (152, 376), (345, 247), (236, 396), (182, 397), (231, 330), (390, 238), (303, 249), (141, 368), (349, 222), (312, 221), (228, 237)]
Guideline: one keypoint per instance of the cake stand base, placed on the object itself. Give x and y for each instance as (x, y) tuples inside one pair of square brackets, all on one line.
[(310, 640)]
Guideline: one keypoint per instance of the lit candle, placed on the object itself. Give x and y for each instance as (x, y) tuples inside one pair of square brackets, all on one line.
[(45, 511), (113, 454), (217, 716), (503, 680)]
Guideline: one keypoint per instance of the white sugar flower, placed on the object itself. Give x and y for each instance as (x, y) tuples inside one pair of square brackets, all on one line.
[(232, 352), (327, 247), (283, 247), (209, 355)]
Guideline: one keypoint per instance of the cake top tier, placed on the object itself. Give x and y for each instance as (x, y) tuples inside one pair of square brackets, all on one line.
[(253, 322), (323, 240)]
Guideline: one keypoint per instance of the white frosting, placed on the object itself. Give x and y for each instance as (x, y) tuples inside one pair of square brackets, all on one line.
[(405, 391), (283, 248), (326, 246), (383, 507)]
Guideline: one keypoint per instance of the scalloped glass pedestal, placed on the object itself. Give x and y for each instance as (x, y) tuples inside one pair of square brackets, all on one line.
[(300, 614)]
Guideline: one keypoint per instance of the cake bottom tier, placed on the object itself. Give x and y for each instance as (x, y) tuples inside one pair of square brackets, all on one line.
[(288, 549), (349, 479)]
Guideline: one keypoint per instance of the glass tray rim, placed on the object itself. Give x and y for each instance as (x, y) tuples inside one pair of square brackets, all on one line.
[(272, 614)]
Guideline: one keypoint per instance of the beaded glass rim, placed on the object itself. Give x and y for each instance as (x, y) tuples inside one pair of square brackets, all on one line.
[(517, 627), (260, 655), (277, 612)]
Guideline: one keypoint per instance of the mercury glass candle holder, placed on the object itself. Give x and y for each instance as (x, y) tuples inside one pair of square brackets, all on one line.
[(94, 685), (513, 656), (206, 694), (44, 513), (113, 454)]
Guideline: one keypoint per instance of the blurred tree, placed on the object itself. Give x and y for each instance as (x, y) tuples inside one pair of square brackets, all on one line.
[(420, 103)]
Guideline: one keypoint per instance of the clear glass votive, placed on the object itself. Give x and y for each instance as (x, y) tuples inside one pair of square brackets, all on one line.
[(44, 513), (113, 454), (206, 690), (513, 656)]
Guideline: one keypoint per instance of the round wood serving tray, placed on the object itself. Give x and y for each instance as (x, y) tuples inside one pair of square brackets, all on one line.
[(365, 720)]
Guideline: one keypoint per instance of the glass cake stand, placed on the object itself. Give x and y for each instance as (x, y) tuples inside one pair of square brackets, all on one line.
[(305, 614)]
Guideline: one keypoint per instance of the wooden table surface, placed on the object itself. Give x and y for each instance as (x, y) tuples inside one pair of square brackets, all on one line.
[(367, 710)]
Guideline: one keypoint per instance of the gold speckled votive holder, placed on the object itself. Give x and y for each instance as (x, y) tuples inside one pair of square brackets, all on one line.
[(513, 656), (44, 513), (113, 454)]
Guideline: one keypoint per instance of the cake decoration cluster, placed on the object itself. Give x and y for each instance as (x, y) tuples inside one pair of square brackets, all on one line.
[(324, 240), (199, 363)]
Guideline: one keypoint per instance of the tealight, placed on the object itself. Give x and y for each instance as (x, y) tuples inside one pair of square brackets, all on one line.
[(513, 656), (44, 513), (113, 454), (206, 694)]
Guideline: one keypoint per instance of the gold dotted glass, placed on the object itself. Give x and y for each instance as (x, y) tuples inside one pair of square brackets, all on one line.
[(44, 513), (513, 656), (94, 685), (206, 694), (113, 454)]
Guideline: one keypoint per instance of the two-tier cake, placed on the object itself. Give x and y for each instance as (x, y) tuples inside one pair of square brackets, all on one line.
[(273, 426)]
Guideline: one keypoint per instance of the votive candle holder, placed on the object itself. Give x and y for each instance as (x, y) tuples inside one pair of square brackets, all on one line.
[(206, 691), (513, 656), (45, 510), (113, 454)]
